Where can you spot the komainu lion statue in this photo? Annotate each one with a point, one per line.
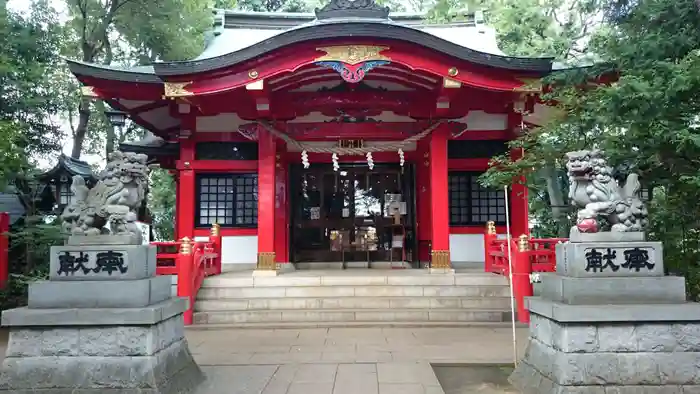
(596, 193)
(113, 202)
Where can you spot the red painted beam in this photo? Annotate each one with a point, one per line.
(226, 232)
(481, 164)
(297, 83)
(377, 157)
(124, 90)
(377, 131)
(295, 56)
(313, 74)
(289, 105)
(474, 229)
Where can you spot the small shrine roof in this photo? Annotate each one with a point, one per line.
(70, 166)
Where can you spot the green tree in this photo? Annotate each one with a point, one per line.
(129, 32)
(265, 5)
(161, 204)
(556, 28)
(646, 119)
(30, 104)
(29, 101)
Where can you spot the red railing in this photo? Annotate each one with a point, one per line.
(191, 261)
(528, 255)
(4, 249)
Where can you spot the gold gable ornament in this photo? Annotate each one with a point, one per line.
(352, 54)
(176, 89)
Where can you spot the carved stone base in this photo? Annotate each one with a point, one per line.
(266, 261)
(440, 259)
(100, 358)
(610, 357)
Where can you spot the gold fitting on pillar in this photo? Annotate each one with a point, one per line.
(186, 246)
(215, 230)
(266, 261)
(523, 243)
(440, 259)
(490, 227)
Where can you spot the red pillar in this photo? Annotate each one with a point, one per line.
(185, 277)
(281, 207)
(522, 268)
(423, 191)
(186, 192)
(519, 208)
(266, 200)
(439, 200)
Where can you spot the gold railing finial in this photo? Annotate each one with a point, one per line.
(215, 230)
(186, 246)
(490, 227)
(523, 243)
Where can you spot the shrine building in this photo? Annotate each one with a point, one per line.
(354, 136)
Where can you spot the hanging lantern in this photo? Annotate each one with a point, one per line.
(370, 162)
(334, 157)
(401, 158)
(305, 159)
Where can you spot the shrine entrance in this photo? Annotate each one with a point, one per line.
(354, 214)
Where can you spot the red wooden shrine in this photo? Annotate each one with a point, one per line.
(350, 90)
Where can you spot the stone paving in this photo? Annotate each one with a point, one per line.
(342, 360)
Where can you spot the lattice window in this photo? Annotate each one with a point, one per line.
(231, 200)
(473, 204)
(64, 194)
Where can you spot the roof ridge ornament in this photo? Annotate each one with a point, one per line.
(352, 9)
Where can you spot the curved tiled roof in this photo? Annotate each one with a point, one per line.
(242, 36)
(71, 166)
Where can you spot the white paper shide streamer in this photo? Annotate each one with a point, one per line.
(336, 166)
(370, 161)
(305, 159)
(401, 158)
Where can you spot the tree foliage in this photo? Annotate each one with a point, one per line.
(129, 32)
(645, 118)
(161, 203)
(29, 100)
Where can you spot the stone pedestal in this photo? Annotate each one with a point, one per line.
(614, 330)
(102, 324)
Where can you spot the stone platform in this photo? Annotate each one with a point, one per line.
(585, 353)
(102, 323)
(99, 351)
(609, 322)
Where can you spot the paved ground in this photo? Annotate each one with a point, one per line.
(345, 360)
(348, 360)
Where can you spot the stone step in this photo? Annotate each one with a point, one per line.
(369, 279)
(217, 293)
(207, 305)
(347, 315)
(353, 324)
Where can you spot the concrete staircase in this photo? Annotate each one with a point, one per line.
(353, 298)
